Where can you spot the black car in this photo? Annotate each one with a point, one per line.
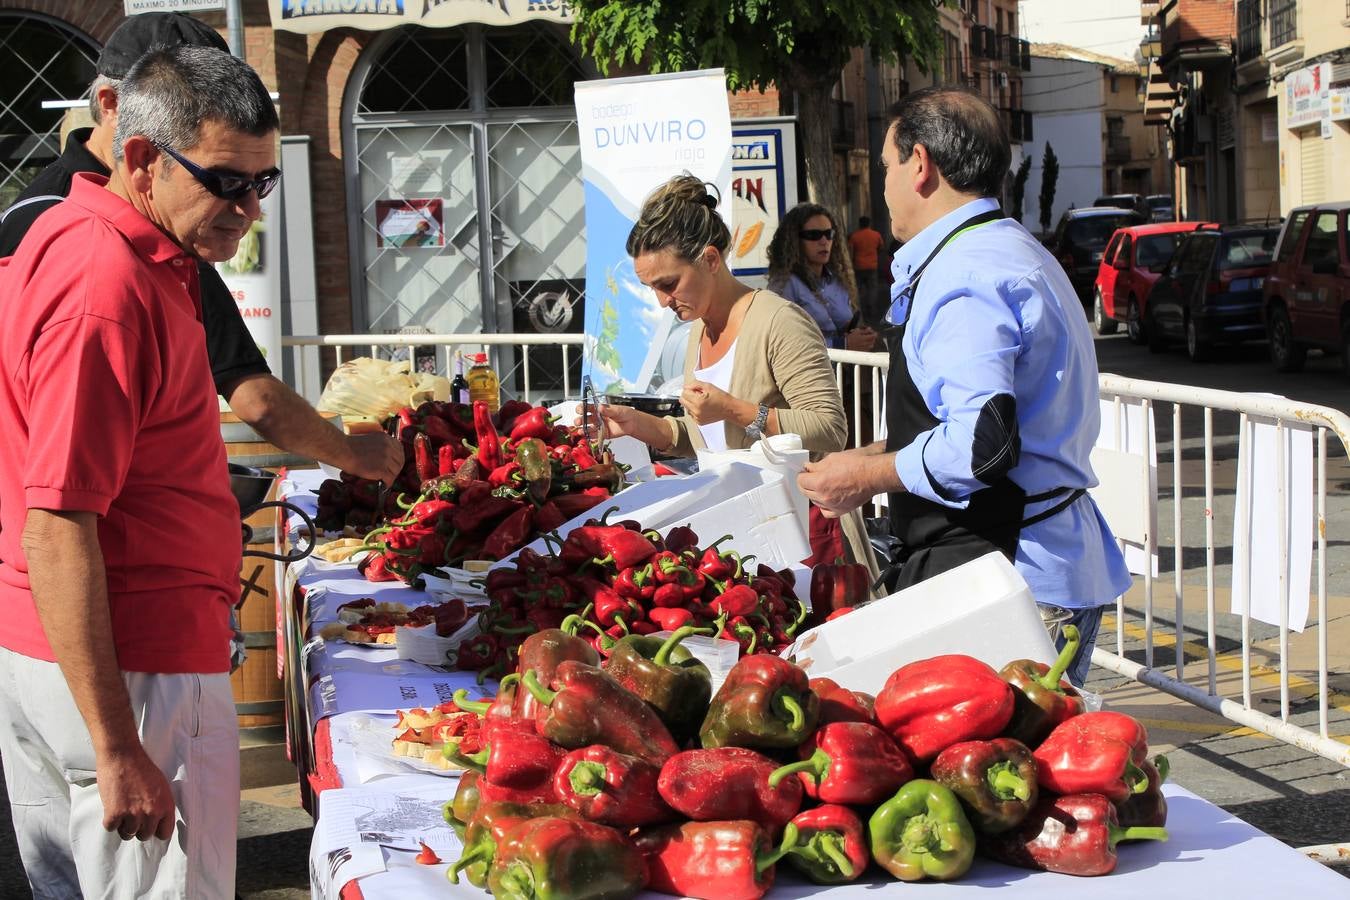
(1210, 292)
(1081, 236)
(1135, 202)
(1160, 208)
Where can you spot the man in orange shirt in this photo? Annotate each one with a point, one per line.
(864, 245)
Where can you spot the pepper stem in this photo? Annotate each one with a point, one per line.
(587, 778)
(1137, 833)
(509, 681)
(815, 766)
(832, 846)
(1163, 766)
(471, 856)
(783, 702)
(572, 624)
(1072, 640)
(531, 682)
(764, 861)
(662, 657)
(476, 761)
(1006, 783)
(1136, 778)
(919, 835)
(461, 698)
(517, 880)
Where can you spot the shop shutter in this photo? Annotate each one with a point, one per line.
(1312, 168)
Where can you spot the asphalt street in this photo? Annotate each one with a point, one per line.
(1295, 796)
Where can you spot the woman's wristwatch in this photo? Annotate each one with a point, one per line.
(755, 430)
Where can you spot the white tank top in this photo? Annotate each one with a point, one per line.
(719, 374)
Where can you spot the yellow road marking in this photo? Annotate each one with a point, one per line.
(1232, 662)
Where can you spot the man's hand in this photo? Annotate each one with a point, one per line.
(707, 403)
(862, 338)
(375, 456)
(137, 802)
(844, 481)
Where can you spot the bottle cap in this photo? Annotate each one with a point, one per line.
(480, 358)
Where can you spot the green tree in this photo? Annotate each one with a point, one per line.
(798, 45)
(1019, 187)
(1049, 175)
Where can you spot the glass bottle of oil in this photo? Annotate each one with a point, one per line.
(483, 383)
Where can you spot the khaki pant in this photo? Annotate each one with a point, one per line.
(188, 727)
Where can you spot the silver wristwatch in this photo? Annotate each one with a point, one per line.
(755, 430)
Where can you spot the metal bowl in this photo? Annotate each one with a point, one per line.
(650, 403)
(250, 486)
(1053, 618)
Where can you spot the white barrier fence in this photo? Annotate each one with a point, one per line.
(861, 376)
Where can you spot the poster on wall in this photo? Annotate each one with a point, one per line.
(763, 189)
(253, 276)
(409, 223)
(310, 16)
(1307, 96)
(635, 134)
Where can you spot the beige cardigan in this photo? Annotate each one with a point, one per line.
(781, 362)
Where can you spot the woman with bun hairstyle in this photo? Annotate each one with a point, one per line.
(756, 365)
(806, 266)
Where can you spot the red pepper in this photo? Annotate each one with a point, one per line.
(670, 619)
(471, 517)
(504, 475)
(429, 513)
(376, 567)
(610, 608)
(1074, 835)
(611, 788)
(996, 780)
(489, 447)
(566, 507)
(636, 583)
(422, 458)
(477, 652)
(936, 702)
(510, 533)
(838, 704)
(514, 759)
(535, 423)
(839, 586)
(586, 706)
(849, 762)
(427, 857)
(1095, 753)
(729, 783)
(717, 565)
(1149, 807)
(682, 537)
(606, 544)
(1042, 698)
(581, 457)
(491, 792)
(827, 844)
(709, 860)
(543, 653)
(439, 430)
(509, 413)
(737, 600)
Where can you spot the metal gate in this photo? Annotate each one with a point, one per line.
(467, 137)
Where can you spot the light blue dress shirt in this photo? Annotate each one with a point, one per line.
(995, 314)
(828, 305)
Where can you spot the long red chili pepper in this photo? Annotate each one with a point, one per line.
(489, 444)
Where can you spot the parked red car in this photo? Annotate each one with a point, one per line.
(1132, 262)
(1307, 293)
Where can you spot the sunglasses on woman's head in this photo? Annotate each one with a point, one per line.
(816, 234)
(227, 186)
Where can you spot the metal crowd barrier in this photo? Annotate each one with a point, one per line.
(1299, 682)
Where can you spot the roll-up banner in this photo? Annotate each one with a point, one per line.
(253, 276)
(635, 134)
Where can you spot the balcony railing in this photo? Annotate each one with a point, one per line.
(1283, 21)
(1018, 123)
(1117, 148)
(1249, 30)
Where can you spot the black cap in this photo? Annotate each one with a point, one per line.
(139, 34)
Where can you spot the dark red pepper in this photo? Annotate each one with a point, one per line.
(996, 780)
(489, 446)
(1150, 806)
(729, 783)
(1075, 834)
(607, 544)
(543, 653)
(838, 704)
(611, 788)
(584, 706)
(737, 600)
(710, 860)
(849, 762)
(533, 423)
(1042, 697)
(510, 534)
(682, 537)
(827, 844)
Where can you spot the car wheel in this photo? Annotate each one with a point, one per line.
(1134, 324)
(1104, 323)
(1154, 336)
(1196, 349)
(1286, 353)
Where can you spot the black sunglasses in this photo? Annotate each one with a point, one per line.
(227, 187)
(816, 234)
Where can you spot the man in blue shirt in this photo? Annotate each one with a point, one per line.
(991, 400)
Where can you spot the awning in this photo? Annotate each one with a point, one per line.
(309, 16)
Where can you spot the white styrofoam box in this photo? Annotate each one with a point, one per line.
(983, 609)
(751, 503)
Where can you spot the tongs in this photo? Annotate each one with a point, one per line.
(590, 410)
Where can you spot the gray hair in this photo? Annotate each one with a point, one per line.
(101, 81)
(168, 95)
(962, 133)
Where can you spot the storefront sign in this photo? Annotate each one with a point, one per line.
(1339, 104)
(636, 133)
(308, 16)
(253, 276)
(135, 7)
(763, 189)
(1307, 96)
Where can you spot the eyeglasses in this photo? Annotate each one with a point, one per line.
(227, 187)
(816, 234)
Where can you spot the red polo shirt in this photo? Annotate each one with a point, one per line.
(107, 406)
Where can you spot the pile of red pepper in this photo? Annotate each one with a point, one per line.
(620, 580)
(476, 485)
(599, 776)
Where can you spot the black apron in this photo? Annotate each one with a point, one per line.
(934, 538)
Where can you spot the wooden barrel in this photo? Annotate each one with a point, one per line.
(258, 694)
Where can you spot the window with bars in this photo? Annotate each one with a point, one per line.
(1283, 18)
(40, 59)
(481, 120)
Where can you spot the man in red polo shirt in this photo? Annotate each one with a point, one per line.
(118, 531)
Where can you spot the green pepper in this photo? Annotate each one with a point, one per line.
(460, 809)
(553, 858)
(536, 466)
(922, 832)
(667, 676)
(765, 703)
(487, 828)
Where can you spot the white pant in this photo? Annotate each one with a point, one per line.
(188, 727)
